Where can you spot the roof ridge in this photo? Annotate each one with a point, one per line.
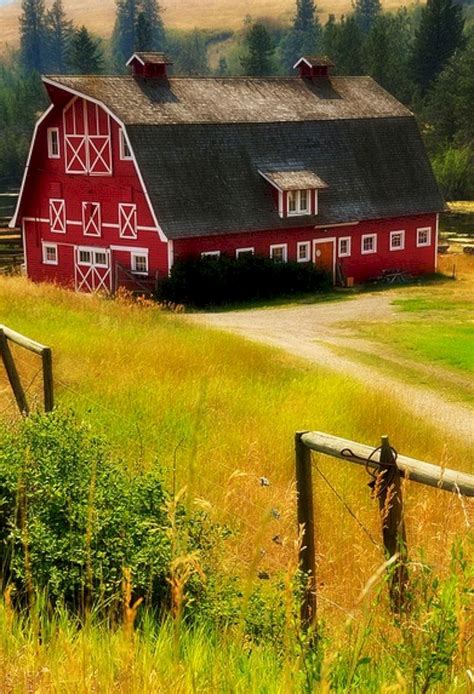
(230, 78)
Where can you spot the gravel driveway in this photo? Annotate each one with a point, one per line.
(312, 331)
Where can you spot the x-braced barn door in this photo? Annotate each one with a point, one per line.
(92, 269)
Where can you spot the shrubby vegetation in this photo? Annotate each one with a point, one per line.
(225, 280)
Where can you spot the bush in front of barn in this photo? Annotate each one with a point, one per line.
(216, 281)
(74, 522)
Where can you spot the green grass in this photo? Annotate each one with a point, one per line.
(217, 413)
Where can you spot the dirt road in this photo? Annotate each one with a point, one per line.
(316, 332)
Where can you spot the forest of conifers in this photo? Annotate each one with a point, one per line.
(423, 54)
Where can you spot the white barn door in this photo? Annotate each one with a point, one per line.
(92, 269)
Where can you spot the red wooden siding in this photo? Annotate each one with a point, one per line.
(83, 208)
(362, 267)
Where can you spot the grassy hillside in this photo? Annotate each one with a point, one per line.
(179, 14)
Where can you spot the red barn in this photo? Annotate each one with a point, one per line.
(126, 174)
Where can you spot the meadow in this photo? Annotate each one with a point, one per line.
(217, 415)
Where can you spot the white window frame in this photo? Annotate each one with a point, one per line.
(128, 219)
(102, 251)
(85, 249)
(307, 246)
(400, 232)
(57, 215)
(284, 248)
(340, 252)
(373, 249)
(86, 227)
(250, 249)
(49, 137)
(298, 212)
(124, 146)
(211, 254)
(428, 231)
(46, 246)
(139, 253)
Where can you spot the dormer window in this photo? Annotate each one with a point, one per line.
(297, 191)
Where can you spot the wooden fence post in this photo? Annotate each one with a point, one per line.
(12, 373)
(48, 383)
(304, 491)
(389, 494)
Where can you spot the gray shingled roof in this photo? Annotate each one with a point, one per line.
(204, 179)
(237, 100)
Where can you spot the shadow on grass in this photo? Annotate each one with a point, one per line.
(285, 301)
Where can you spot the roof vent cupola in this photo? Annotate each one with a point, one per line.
(314, 67)
(149, 65)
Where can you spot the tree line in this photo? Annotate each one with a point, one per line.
(424, 55)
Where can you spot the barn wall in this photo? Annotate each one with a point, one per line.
(47, 180)
(359, 266)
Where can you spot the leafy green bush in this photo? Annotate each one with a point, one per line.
(454, 170)
(71, 520)
(215, 281)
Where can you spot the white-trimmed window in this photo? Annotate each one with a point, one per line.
(139, 261)
(50, 253)
(397, 240)
(242, 252)
(211, 254)
(53, 143)
(92, 257)
(303, 251)
(368, 244)
(91, 218)
(279, 252)
(423, 237)
(298, 202)
(125, 152)
(85, 256)
(57, 216)
(344, 247)
(101, 259)
(128, 220)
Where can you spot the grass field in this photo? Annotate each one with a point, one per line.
(179, 14)
(223, 412)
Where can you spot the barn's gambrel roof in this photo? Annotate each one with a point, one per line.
(201, 143)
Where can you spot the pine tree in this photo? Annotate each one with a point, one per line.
(222, 68)
(32, 34)
(192, 59)
(258, 60)
(366, 12)
(85, 56)
(59, 31)
(343, 43)
(439, 34)
(330, 37)
(152, 12)
(305, 35)
(144, 34)
(124, 35)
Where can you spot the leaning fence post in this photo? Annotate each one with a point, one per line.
(304, 492)
(389, 494)
(48, 383)
(12, 373)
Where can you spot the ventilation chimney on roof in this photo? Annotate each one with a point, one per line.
(314, 67)
(149, 65)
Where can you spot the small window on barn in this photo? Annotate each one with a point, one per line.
(50, 254)
(397, 240)
(100, 259)
(210, 254)
(303, 251)
(344, 247)
(85, 257)
(298, 202)
(279, 253)
(53, 143)
(423, 237)
(140, 263)
(243, 252)
(125, 152)
(368, 244)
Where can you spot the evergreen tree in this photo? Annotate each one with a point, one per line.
(124, 36)
(32, 34)
(330, 37)
(144, 34)
(192, 55)
(366, 12)
(305, 35)
(439, 34)
(258, 60)
(343, 42)
(85, 56)
(59, 32)
(152, 12)
(223, 68)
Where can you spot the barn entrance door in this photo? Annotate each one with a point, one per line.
(324, 255)
(92, 269)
